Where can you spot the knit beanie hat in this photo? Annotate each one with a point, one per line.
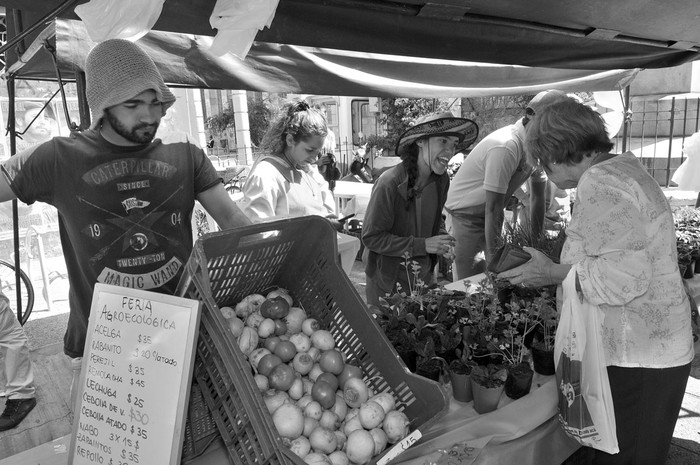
(117, 70)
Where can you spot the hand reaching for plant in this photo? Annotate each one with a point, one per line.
(538, 272)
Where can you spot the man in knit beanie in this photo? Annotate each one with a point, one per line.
(125, 198)
(116, 71)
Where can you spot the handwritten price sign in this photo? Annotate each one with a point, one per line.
(135, 378)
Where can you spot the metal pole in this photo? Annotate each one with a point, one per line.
(44, 20)
(83, 108)
(685, 125)
(626, 128)
(15, 213)
(670, 141)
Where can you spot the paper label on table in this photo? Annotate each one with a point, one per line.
(460, 454)
(400, 446)
(135, 378)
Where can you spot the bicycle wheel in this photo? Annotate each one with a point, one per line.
(8, 282)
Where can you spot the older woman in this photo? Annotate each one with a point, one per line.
(621, 243)
(285, 180)
(404, 214)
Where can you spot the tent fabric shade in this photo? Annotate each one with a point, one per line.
(184, 60)
(591, 34)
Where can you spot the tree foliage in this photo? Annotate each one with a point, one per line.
(219, 123)
(259, 116)
(399, 113)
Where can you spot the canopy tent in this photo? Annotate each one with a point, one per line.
(184, 60)
(591, 34)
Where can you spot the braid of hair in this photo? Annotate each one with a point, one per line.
(410, 163)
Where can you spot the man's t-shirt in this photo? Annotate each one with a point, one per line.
(124, 212)
(497, 164)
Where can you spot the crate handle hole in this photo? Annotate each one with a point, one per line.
(257, 238)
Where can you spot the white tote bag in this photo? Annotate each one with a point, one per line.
(585, 402)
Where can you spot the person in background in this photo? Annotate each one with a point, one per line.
(404, 215)
(285, 180)
(326, 162)
(19, 389)
(687, 176)
(621, 243)
(328, 168)
(557, 208)
(124, 198)
(488, 177)
(359, 172)
(37, 124)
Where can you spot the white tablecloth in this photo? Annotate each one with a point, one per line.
(525, 431)
(351, 198)
(348, 246)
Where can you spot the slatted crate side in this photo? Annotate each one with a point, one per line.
(299, 255)
(236, 406)
(200, 428)
(328, 296)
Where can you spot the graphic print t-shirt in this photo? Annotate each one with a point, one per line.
(124, 212)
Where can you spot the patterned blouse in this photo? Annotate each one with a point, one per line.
(622, 242)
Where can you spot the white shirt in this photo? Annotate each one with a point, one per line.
(622, 243)
(274, 189)
(497, 164)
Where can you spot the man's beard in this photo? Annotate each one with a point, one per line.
(132, 134)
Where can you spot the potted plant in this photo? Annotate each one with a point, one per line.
(687, 223)
(423, 321)
(510, 345)
(487, 383)
(546, 319)
(460, 370)
(399, 326)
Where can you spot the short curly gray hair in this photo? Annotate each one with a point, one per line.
(565, 133)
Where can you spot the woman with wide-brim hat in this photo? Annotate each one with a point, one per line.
(403, 223)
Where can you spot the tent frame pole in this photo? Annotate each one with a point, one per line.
(627, 118)
(12, 130)
(44, 20)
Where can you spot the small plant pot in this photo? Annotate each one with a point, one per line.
(518, 381)
(409, 358)
(689, 271)
(430, 369)
(486, 398)
(543, 361)
(461, 386)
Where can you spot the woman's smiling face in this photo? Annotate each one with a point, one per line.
(436, 152)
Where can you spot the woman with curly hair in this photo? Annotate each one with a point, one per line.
(404, 215)
(284, 181)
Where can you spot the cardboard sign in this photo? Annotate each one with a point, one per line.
(135, 379)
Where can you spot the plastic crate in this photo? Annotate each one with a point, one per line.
(298, 254)
(200, 428)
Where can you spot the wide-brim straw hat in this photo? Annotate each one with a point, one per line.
(439, 124)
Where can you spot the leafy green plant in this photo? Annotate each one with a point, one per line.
(428, 321)
(526, 236)
(687, 223)
(219, 123)
(490, 376)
